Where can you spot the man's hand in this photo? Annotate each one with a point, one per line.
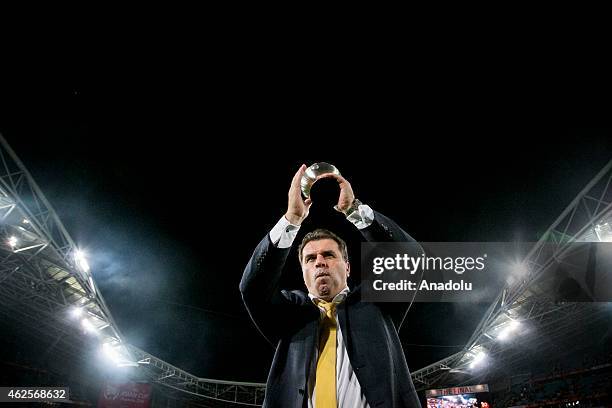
(346, 192)
(297, 209)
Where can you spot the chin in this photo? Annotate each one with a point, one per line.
(322, 292)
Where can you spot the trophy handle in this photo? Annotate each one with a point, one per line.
(312, 174)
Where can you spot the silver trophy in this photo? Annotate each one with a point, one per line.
(312, 173)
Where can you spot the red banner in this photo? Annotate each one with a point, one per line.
(125, 395)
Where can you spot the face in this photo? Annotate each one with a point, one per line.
(325, 270)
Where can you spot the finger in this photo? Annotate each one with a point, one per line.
(338, 177)
(298, 174)
(295, 183)
(328, 175)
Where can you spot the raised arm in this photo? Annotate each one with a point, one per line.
(266, 303)
(374, 227)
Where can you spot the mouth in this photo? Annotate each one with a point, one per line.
(321, 274)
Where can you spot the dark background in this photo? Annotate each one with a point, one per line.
(169, 184)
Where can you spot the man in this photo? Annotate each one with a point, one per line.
(332, 350)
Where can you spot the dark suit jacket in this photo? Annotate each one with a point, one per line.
(290, 321)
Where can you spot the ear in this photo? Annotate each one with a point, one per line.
(348, 269)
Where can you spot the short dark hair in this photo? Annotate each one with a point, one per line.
(320, 234)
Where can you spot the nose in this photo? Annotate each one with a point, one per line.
(320, 261)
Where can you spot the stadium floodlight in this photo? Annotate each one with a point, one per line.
(12, 241)
(88, 326)
(81, 260)
(25, 221)
(603, 232)
(478, 359)
(111, 352)
(508, 329)
(76, 312)
(519, 269)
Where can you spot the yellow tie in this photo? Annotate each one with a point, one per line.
(325, 385)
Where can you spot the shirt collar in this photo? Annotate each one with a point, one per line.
(339, 298)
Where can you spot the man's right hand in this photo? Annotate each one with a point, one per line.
(297, 208)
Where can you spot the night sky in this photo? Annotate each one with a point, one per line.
(169, 189)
